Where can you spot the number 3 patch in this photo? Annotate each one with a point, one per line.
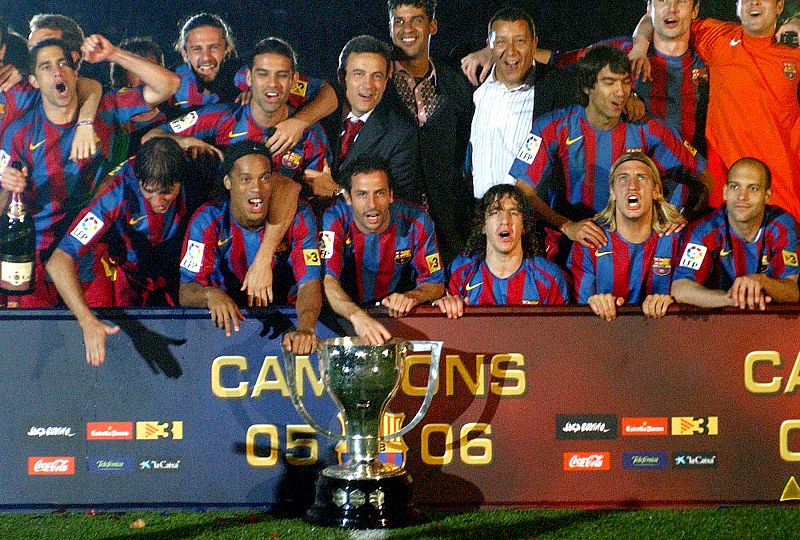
(434, 263)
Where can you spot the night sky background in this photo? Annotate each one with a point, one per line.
(319, 28)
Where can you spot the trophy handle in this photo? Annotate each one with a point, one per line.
(289, 364)
(435, 348)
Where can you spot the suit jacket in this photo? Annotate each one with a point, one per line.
(389, 136)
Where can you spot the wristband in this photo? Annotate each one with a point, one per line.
(85, 123)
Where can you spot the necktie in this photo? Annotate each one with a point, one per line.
(351, 129)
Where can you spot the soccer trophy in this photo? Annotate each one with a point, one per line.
(364, 492)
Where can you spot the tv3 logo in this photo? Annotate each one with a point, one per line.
(691, 425)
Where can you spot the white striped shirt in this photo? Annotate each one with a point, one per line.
(501, 123)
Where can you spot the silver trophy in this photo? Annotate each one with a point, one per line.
(364, 492)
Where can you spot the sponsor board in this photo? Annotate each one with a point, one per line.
(51, 465)
(586, 426)
(50, 431)
(109, 464)
(692, 425)
(152, 430)
(109, 431)
(694, 460)
(645, 460)
(644, 426)
(587, 461)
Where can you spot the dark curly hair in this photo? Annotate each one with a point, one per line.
(476, 243)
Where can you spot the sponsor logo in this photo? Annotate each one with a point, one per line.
(690, 425)
(184, 122)
(645, 426)
(587, 461)
(193, 259)
(326, 244)
(434, 263)
(789, 258)
(151, 431)
(529, 148)
(5, 159)
(50, 431)
(299, 88)
(105, 431)
(693, 256)
(233, 135)
(724, 252)
(51, 465)
(109, 464)
(221, 242)
(32, 146)
(470, 286)
(530, 302)
(599, 254)
(311, 257)
(694, 460)
(586, 426)
(171, 464)
(134, 221)
(645, 460)
(735, 42)
(570, 142)
(692, 150)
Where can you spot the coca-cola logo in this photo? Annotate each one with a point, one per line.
(586, 426)
(50, 431)
(587, 461)
(51, 465)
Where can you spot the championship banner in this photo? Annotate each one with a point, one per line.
(534, 406)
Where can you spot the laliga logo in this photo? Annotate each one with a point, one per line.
(392, 451)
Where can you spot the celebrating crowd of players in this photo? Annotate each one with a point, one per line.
(216, 185)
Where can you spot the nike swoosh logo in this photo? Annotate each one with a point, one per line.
(470, 287)
(232, 135)
(735, 42)
(133, 221)
(221, 243)
(572, 141)
(599, 254)
(724, 253)
(33, 147)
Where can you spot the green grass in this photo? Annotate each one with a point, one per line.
(778, 523)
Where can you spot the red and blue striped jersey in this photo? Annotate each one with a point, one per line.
(224, 124)
(217, 252)
(15, 102)
(568, 160)
(142, 242)
(372, 266)
(57, 187)
(715, 255)
(677, 93)
(627, 270)
(536, 281)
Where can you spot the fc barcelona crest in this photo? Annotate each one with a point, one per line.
(392, 451)
(700, 76)
(291, 160)
(661, 266)
(790, 70)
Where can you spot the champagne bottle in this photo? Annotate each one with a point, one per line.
(17, 247)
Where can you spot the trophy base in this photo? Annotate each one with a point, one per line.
(364, 504)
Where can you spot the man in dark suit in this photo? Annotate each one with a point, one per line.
(371, 127)
(438, 100)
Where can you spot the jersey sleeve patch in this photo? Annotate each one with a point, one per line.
(789, 258)
(87, 228)
(311, 257)
(326, 244)
(184, 122)
(5, 159)
(434, 263)
(693, 256)
(193, 259)
(529, 148)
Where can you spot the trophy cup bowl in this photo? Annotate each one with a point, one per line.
(364, 492)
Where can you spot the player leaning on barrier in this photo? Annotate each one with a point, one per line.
(745, 253)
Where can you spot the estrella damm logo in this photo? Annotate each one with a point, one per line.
(392, 451)
(152, 430)
(691, 425)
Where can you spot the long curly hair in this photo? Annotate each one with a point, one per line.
(476, 243)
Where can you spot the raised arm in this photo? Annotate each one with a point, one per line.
(289, 132)
(642, 37)
(160, 84)
(84, 144)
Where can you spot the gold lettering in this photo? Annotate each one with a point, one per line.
(757, 357)
(476, 386)
(305, 371)
(425, 447)
(471, 440)
(263, 384)
(408, 387)
(239, 362)
(786, 453)
(299, 436)
(794, 377)
(502, 373)
(259, 430)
